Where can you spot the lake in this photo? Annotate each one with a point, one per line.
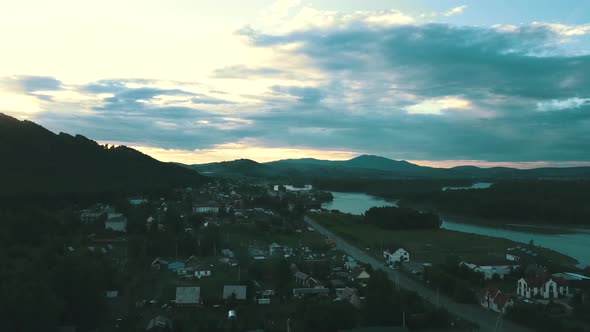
(354, 203)
(574, 244)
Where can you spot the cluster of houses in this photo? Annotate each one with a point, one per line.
(191, 296)
(189, 268)
(539, 285)
(113, 221)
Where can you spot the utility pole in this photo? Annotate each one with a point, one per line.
(437, 297)
(498, 326)
(404, 319)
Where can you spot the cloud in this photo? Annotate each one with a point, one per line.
(39, 83)
(455, 11)
(557, 105)
(245, 72)
(563, 29)
(437, 106)
(289, 16)
(376, 82)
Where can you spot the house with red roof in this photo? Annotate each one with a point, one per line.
(493, 299)
(543, 286)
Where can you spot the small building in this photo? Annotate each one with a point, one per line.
(91, 215)
(301, 278)
(188, 296)
(137, 201)
(158, 263)
(305, 292)
(192, 261)
(116, 222)
(111, 294)
(206, 208)
(202, 270)
(359, 274)
(274, 247)
(491, 269)
(543, 286)
(238, 291)
(493, 299)
(228, 253)
(159, 324)
(399, 255)
(175, 266)
(349, 295)
(350, 263)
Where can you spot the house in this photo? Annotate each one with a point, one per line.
(188, 296)
(91, 215)
(256, 253)
(202, 270)
(544, 286)
(360, 274)
(238, 291)
(521, 255)
(229, 261)
(116, 222)
(396, 256)
(316, 291)
(349, 295)
(227, 253)
(158, 263)
(111, 294)
(301, 278)
(274, 247)
(175, 266)
(206, 208)
(192, 262)
(491, 269)
(137, 201)
(350, 263)
(495, 300)
(159, 323)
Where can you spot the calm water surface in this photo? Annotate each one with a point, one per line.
(575, 244)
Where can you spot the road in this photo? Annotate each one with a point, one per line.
(484, 318)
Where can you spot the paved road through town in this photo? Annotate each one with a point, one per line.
(487, 320)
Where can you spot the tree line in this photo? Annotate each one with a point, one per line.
(396, 218)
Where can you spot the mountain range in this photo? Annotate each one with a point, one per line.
(370, 166)
(36, 160)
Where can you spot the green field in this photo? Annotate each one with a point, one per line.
(433, 246)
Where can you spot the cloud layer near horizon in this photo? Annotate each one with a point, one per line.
(367, 82)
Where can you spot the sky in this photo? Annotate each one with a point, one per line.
(436, 82)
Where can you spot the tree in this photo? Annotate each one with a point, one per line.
(330, 317)
(382, 307)
(283, 277)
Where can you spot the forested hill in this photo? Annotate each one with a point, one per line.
(35, 160)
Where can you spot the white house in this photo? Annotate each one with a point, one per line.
(398, 256)
(543, 286)
(202, 270)
(206, 208)
(495, 300)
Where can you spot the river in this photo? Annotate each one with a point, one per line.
(572, 242)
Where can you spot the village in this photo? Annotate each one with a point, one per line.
(238, 255)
